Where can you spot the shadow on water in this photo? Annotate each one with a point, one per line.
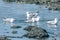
(53, 31)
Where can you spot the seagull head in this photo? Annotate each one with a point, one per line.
(27, 12)
(56, 19)
(38, 16)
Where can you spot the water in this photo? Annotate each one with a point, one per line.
(18, 11)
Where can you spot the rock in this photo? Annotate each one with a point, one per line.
(29, 28)
(57, 9)
(14, 36)
(49, 8)
(4, 38)
(7, 32)
(9, 0)
(15, 26)
(14, 32)
(37, 2)
(35, 32)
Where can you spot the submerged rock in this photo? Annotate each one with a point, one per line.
(14, 32)
(15, 26)
(4, 38)
(36, 32)
(49, 8)
(9, 0)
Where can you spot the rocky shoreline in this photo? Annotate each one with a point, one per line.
(32, 32)
(54, 6)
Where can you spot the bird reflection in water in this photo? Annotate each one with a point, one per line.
(54, 29)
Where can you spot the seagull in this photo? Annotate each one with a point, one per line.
(37, 18)
(53, 22)
(32, 17)
(9, 20)
(28, 15)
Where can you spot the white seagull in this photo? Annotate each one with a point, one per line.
(28, 15)
(53, 22)
(32, 17)
(9, 20)
(37, 18)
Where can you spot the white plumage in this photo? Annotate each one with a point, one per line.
(28, 15)
(32, 17)
(37, 18)
(8, 20)
(53, 21)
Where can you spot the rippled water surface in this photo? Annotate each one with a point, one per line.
(18, 11)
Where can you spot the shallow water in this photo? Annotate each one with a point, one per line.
(18, 11)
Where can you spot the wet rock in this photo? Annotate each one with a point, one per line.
(7, 32)
(57, 9)
(9, 0)
(54, 8)
(15, 26)
(49, 8)
(4, 38)
(14, 36)
(37, 2)
(36, 32)
(14, 32)
(30, 28)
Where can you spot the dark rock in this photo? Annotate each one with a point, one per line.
(37, 2)
(57, 9)
(9, 0)
(4, 38)
(7, 32)
(14, 36)
(14, 32)
(29, 28)
(15, 26)
(49, 8)
(36, 32)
